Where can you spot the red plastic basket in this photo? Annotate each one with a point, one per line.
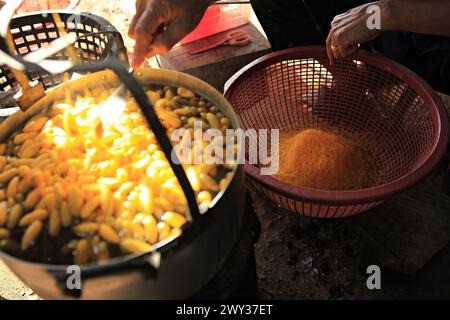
(391, 107)
(219, 18)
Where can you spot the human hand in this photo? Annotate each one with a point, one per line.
(159, 24)
(351, 28)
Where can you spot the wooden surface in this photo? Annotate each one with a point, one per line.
(216, 66)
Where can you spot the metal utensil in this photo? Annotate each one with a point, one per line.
(118, 98)
(120, 95)
(30, 92)
(114, 106)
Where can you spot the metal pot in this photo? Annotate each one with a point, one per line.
(173, 269)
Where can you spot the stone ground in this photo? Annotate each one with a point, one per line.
(297, 258)
(11, 288)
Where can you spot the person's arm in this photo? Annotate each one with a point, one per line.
(421, 16)
(159, 24)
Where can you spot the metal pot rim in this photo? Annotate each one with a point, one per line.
(109, 78)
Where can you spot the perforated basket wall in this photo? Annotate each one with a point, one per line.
(388, 106)
(98, 39)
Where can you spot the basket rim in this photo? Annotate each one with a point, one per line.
(362, 196)
(72, 12)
